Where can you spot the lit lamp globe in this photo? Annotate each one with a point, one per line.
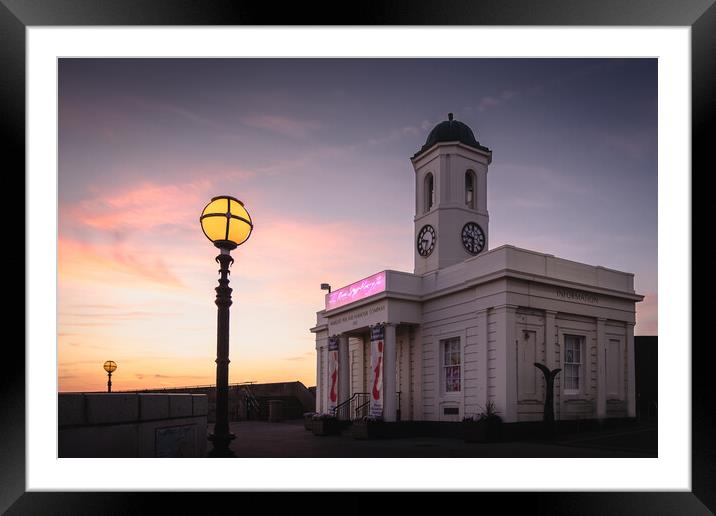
(110, 366)
(226, 222)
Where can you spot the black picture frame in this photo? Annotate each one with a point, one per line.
(16, 15)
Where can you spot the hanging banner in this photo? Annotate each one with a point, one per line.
(376, 366)
(332, 374)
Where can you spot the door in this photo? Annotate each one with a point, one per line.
(527, 373)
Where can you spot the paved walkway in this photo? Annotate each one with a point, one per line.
(291, 439)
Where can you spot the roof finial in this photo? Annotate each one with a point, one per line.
(450, 116)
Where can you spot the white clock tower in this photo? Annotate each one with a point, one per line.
(451, 219)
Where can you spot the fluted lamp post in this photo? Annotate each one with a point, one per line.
(110, 366)
(227, 224)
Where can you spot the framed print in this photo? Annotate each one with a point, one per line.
(38, 36)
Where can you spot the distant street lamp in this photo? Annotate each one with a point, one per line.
(227, 224)
(326, 286)
(110, 366)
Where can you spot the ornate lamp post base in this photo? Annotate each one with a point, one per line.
(221, 445)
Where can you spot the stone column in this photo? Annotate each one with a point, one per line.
(389, 361)
(631, 386)
(601, 368)
(344, 374)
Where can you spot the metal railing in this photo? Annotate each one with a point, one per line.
(358, 406)
(252, 404)
(362, 409)
(183, 387)
(346, 409)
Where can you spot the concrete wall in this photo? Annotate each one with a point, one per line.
(132, 425)
(297, 398)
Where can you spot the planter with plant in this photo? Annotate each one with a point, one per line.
(308, 420)
(485, 428)
(325, 424)
(368, 428)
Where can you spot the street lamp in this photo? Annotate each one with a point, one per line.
(326, 286)
(110, 366)
(227, 224)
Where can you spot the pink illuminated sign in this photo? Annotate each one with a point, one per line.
(355, 291)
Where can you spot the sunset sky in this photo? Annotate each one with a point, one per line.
(318, 150)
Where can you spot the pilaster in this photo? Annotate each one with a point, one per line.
(601, 368)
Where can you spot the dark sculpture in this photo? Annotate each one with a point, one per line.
(548, 416)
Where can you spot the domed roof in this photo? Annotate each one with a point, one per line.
(451, 131)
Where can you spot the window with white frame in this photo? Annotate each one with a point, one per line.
(573, 370)
(451, 364)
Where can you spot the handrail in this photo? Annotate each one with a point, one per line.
(366, 403)
(361, 407)
(347, 403)
(362, 402)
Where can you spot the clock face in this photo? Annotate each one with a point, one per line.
(426, 240)
(473, 238)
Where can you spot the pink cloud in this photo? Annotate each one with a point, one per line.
(292, 258)
(487, 102)
(493, 101)
(179, 111)
(396, 134)
(291, 127)
(141, 207)
(635, 146)
(113, 263)
(327, 245)
(147, 205)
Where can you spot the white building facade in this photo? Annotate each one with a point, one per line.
(468, 325)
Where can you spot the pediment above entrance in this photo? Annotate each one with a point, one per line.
(386, 310)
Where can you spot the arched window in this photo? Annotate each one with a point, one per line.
(429, 192)
(470, 189)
